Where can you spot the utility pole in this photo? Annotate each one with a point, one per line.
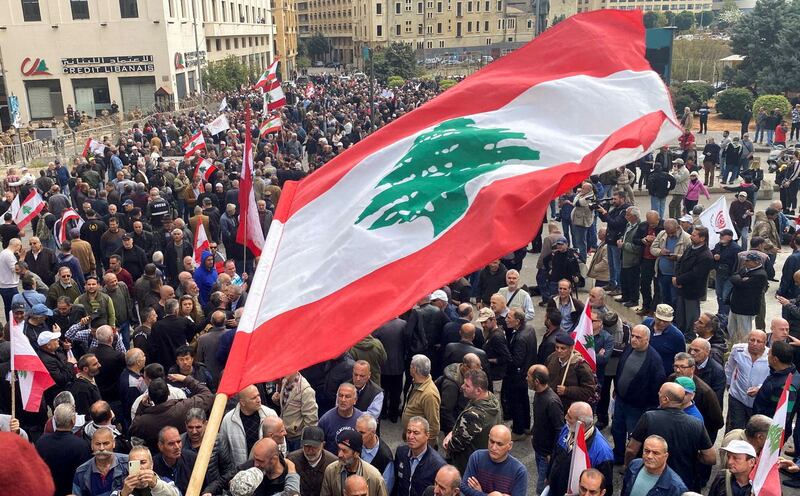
(197, 52)
(371, 89)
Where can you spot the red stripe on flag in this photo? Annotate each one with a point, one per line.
(86, 148)
(270, 352)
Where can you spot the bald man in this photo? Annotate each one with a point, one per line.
(685, 435)
(494, 469)
(706, 368)
(241, 427)
(355, 485)
(446, 483)
(279, 473)
(467, 343)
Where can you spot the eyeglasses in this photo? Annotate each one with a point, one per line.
(676, 366)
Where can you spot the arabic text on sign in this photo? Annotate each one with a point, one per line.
(106, 69)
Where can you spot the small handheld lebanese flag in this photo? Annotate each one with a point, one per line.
(69, 215)
(584, 337)
(249, 232)
(270, 126)
(205, 168)
(201, 243)
(34, 379)
(580, 459)
(195, 144)
(767, 481)
(375, 222)
(310, 91)
(30, 208)
(94, 147)
(268, 76)
(276, 98)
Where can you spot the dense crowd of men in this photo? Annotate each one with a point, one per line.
(135, 332)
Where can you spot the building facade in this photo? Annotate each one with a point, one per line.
(285, 15)
(334, 19)
(139, 54)
(648, 5)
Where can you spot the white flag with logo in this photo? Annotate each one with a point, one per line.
(223, 106)
(715, 218)
(218, 125)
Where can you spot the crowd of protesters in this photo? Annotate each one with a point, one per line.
(135, 332)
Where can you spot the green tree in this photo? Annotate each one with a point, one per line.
(651, 19)
(779, 74)
(430, 179)
(225, 75)
(397, 59)
(670, 17)
(684, 21)
(732, 102)
(704, 18)
(755, 36)
(318, 46)
(769, 102)
(303, 62)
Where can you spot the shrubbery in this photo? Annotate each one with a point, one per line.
(731, 102)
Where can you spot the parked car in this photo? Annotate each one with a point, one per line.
(319, 63)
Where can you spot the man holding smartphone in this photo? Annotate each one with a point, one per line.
(141, 475)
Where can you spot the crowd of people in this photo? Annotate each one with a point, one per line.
(135, 332)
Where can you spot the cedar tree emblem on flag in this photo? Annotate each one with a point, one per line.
(429, 180)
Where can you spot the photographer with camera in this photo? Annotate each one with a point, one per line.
(582, 217)
(615, 228)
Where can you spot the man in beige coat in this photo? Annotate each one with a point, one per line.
(350, 463)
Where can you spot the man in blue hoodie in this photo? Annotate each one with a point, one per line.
(205, 276)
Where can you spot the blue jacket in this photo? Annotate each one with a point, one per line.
(407, 485)
(205, 278)
(82, 482)
(606, 342)
(668, 344)
(600, 455)
(643, 389)
(669, 484)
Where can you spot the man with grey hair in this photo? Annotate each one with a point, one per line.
(168, 335)
(112, 364)
(706, 368)
(446, 483)
(423, 399)
(274, 428)
(755, 432)
(631, 259)
(416, 462)
(515, 296)
(341, 417)
(374, 450)
(650, 473)
(62, 450)
(131, 383)
(600, 453)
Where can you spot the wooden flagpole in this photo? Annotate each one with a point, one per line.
(566, 370)
(207, 446)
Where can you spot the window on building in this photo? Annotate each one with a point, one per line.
(458, 29)
(530, 23)
(236, 43)
(486, 26)
(469, 27)
(439, 7)
(227, 43)
(128, 9)
(430, 45)
(80, 9)
(419, 7)
(488, 40)
(441, 44)
(30, 11)
(397, 30)
(438, 28)
(379, 30)
(419, 29)
(379, 9)
(219, 44)
(458, 9)
(511, 23)
(208, 45)
(469, 6)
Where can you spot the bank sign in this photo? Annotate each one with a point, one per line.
(106, 65)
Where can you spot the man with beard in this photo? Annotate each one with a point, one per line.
(106, 472)
(278, 475)
(349, 463)
(311, 460)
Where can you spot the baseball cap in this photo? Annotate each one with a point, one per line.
(753, 257)
(741, 193)
(694, 173)
(350, 438)
(16, 307)
(439, 295)
(485, 314)
(559, 241)
(687, 383)
(726, 232)
(686, 218)
(47, 336)
(246, 482)
(312, 436)
(39, 310)
(127, 202)
(678, 161)
(740, 447)
(127, 236)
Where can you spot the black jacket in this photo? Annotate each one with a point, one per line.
(63, 452)
(454, 353)
(112, 363)
(748, 290)
(133, 261)
(60, 370)
(490, 283)
(167, 335)
(496, 347)
(549, 414)
(391, 337)
(407, 485)
(616, 223)
(714, 375)
(44, 265)
(691, 272)
(221, 468)
(85, 394)
(642, 391)
(659, 184)
(170, 255)
(523, 353)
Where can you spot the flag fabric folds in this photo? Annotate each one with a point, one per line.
(94, 147)
(34, 379)
(767, 481)
(204, 168)
(249, 232)
(69, 215)
(195, 144)
(584, 338)
(28, 209)
(270, 126)
(276, 98)
(223, 105)
(716, 218)
(378, 221)
(310, 90)
(580, 458)
(201, 243)
(218, 125)
(268, 76)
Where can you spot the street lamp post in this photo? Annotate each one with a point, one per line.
(197, 52)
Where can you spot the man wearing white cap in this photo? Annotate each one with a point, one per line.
(681, 176)
(741, 458)
(56, 362)
(741, 212)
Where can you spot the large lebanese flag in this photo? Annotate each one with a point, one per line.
(195, 144)
(269, 75)
(94, 147)
(67, 216)
(33, 377)
(201, 243)
(767, 481)
(387, 220)
(30, 208)
(276, 98)
(584, 337)
(249, 232)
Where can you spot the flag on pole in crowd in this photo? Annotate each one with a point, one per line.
(276, 97)
(375, 221)
(195, 144)
(580, 458)
(33, 377)
(205, 168)
(69, 215)
(94, 147)
(223, 105)
(767, 481)
(270, 126)
(715, 218)
(28, 209)
(249, 231)
(584, 337)
(268, 76)
(218, 125)
(201, 243)
(310, 90)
